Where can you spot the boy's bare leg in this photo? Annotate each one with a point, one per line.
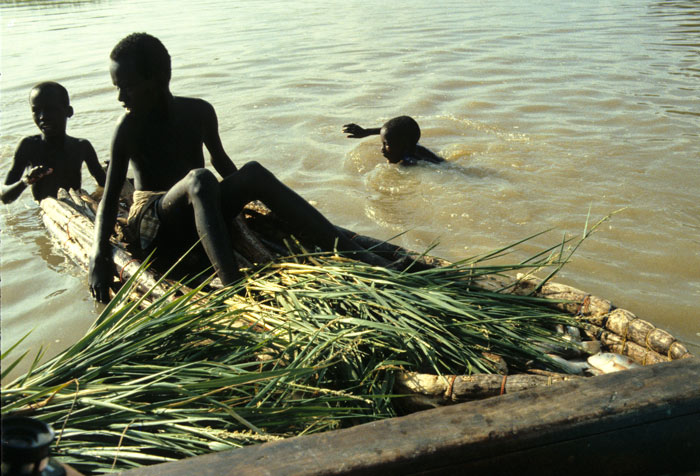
(199, 192)
(255, 182)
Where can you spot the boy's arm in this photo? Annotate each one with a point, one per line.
(14, 184)
(101, 271)
(357, 132)
(17, 180)
(10, 192)
(93, 165)
(219, 159)
(428, 155)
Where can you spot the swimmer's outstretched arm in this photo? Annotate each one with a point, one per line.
(357, 132)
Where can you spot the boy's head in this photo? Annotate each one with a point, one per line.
(140, 69)
(148, 55)
(399, 138)
(50, 108)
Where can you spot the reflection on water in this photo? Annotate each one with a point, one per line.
(543, 112)
(25, 223)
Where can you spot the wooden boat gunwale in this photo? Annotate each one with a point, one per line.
(642, 421)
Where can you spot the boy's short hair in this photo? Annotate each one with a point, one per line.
(150, 56)
(403, 127)
(52, 85)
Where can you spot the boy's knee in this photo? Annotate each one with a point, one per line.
(200, 182)
(254, 168)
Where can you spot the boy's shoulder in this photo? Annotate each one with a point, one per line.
(427, 155)
(185, 111)
(70, 140)
(28, 147)
(78, 145)
(37, 140)
(193, 112)
(30, 140)
(196, 104)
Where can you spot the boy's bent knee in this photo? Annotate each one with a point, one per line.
(254, 169)
(201, 182)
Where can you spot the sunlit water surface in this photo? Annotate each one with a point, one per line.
(544, 112)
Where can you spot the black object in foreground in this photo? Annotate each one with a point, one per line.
(25, 448)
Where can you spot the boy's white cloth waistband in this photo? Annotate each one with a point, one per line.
(143, 216)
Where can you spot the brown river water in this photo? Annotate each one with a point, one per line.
(545, 112)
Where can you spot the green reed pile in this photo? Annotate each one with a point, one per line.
(302, 345)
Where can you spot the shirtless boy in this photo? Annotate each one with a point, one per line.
(161, 135)
(50, 160)
(399, 141)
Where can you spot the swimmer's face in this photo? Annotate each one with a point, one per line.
(136, 93)
(49, 111)
(393, 149)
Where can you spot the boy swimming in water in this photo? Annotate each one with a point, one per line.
(400, 137)
(177, 200)
(50, 160)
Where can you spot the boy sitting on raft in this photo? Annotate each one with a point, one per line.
(400, 137)
(177, 201)
(50, 160)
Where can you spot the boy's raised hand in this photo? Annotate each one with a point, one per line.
(37, 173)
(355, 131)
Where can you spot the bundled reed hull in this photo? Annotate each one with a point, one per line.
(70, 220)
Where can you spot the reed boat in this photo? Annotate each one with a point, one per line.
(70, 221)
(550, 407)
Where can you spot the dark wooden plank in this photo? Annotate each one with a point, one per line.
(645, 421)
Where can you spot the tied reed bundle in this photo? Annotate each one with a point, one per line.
(302, 345)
